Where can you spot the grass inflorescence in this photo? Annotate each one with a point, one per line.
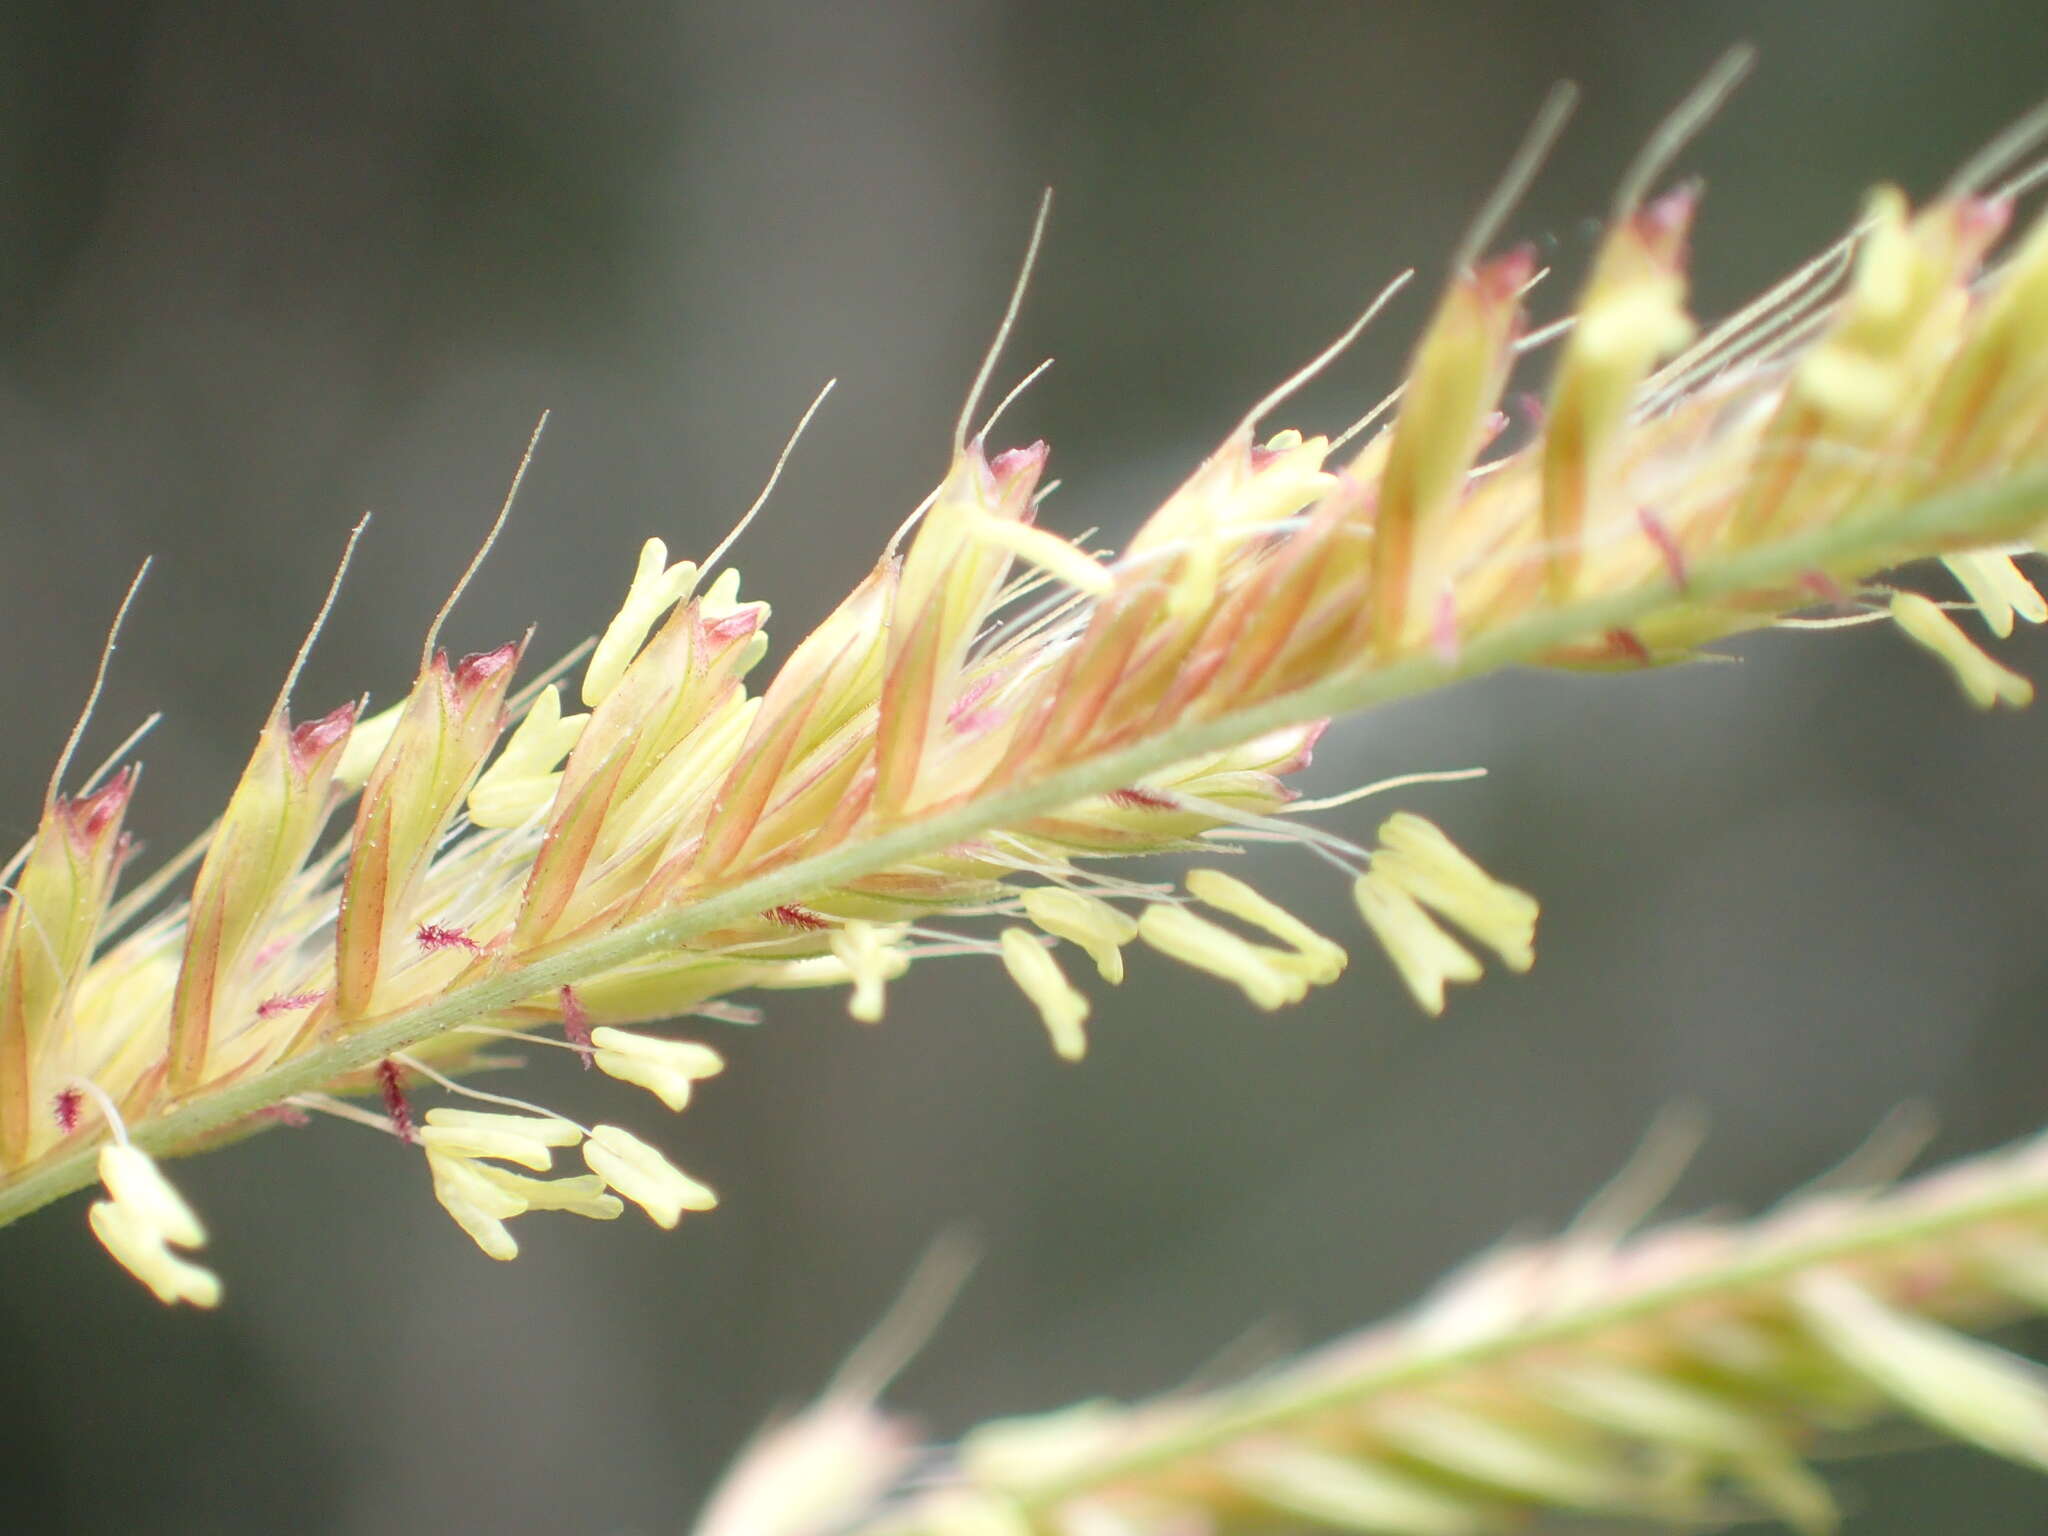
(956, 760)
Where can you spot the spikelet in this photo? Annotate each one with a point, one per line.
(994, 710)
(1681, 1376)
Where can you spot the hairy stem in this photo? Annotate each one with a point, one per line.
(1979, 515)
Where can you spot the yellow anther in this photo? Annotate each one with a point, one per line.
(1645, 323)
(722, 596)
(138, 1186)
(1048, 551)
(1285, 483)
(1898, 316)
(1998, 588)
(455, 1174)
(547, 1130)
(478, 1205)
(1088, 921)
(665, 1068)
(1423, 953)
(522, 1139)
(1416, 857)
(1322, 959)
(140, 1249)
(1197, 942)
(522, 780)
(366, 743)
(643, 1176)
(656, 587)
(1201, 566)
(1984, 681)
(582, 1194)
(139, 1225)
(1852, 387)
(753, 651)
(871, 961)
(1885, 270)
(1039, 978)
(810, 971)
(962, 1512)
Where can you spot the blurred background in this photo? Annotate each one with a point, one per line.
(268, 266)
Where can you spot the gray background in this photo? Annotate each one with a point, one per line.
(267, 266)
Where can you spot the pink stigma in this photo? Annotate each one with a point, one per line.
(970, 698)
(315, 738)
(395, 1103)
(1134, 799)
(1984, 218)
(576, 1024)
(796, 917)
(1823, 586)
(472, 672)
(1303, 755)
(1628, 643)
(1017, 461)
(87, 817)
(432, 937)
(66, 1106)
(1501, 280)
(1443, 628)
(737, 625)
(1667, 546)
(287, 1003)
(271, 951)
(966, 714)
(1663, 224)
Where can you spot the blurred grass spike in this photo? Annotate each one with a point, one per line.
(801, 1474)
(1677, 1377)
